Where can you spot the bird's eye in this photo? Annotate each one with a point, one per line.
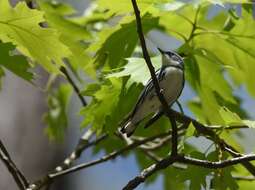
(175, 58)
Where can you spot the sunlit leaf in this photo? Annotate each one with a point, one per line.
(137, 69)
(20, 26)
(71, 34)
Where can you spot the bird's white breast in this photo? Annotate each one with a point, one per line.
(171, 84)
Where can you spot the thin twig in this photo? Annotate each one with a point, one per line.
(154, 78)
(105, 158)
(76, 89)
(82, 145)
(17, 175)
(218, 164)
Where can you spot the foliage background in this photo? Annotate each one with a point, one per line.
(222, 72)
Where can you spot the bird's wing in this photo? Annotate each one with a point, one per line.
(149, 86)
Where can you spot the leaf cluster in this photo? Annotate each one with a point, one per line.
(102, 44)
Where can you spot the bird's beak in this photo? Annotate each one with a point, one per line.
(160, 50)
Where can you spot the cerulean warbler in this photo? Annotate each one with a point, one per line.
(171, 82)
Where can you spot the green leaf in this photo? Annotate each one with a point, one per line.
(192, 72)
(72, 35)
(172, 179)
(20, 26)
(116, 43)
(56, 117)
(211, 74)
(224, 181)
(196, 108)
(236, 49)
(91, 89)
(127, 100)
(172, 6)
(14, 63)
(137, 69)
(195, 181)
(125, 6)
(190, 131)
(229, 117)
(104, 101)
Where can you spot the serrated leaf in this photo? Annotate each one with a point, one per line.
(137, 69)
(14, 63)
(235, 49)
(116, 43)
(91, 89)
(72, 35)
(20, 26)
(56, 117)
(104, 101)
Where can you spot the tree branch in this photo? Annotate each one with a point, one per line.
(105, 158)
(14, 171)
(154, 78)
(132, 184)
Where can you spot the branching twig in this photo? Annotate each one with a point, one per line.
(105, 158)
(132, 184)
(15, 172)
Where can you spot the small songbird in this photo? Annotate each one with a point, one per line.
(171, 82)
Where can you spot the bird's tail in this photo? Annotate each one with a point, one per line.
(128, 127)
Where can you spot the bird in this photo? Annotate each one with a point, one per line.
(171, 81)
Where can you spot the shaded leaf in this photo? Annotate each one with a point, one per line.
(14, 63)
(56, 117)
(117, 43)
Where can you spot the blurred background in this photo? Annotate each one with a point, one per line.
(22, 131)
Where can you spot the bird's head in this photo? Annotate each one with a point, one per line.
(171, 58)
